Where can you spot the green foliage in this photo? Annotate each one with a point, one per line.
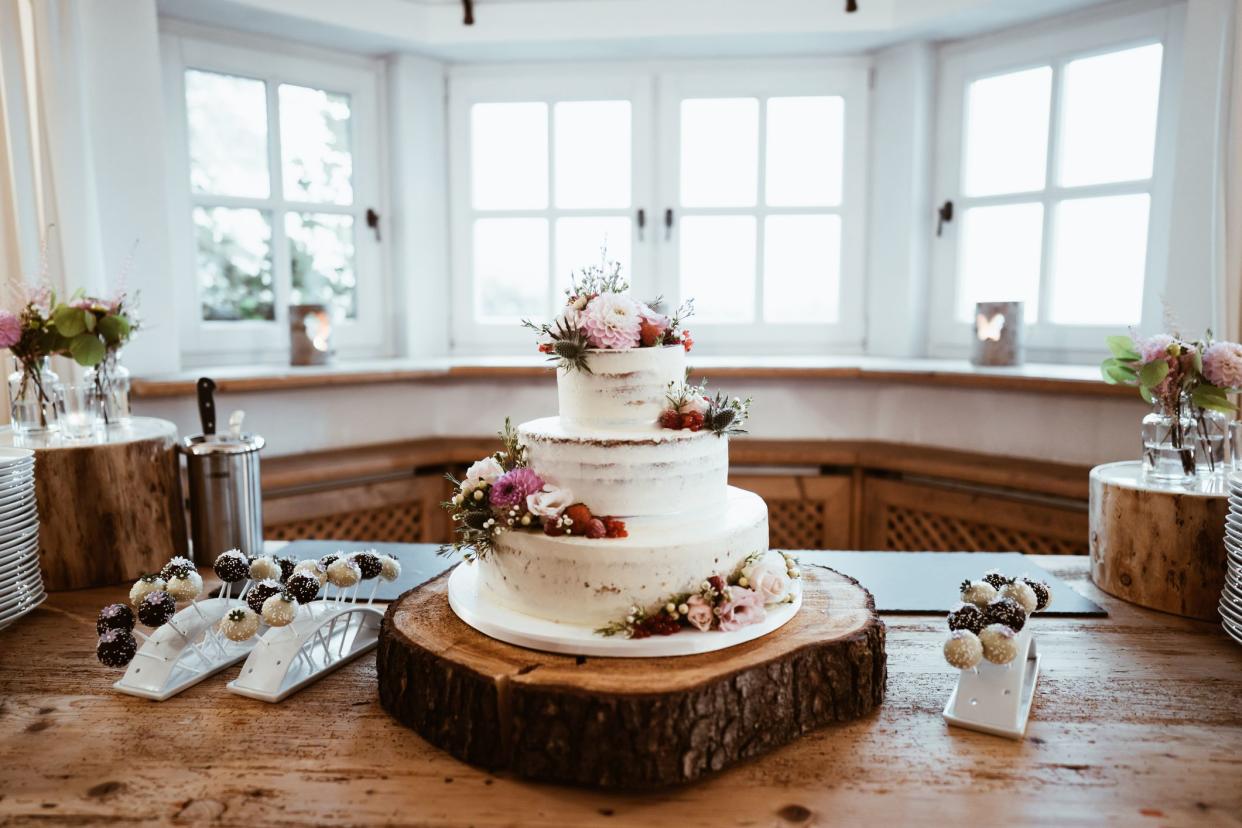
(87, 349)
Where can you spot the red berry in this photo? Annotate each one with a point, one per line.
(615, 528)
(595, 529)
(579, 518)
(692, 420)
(670, 419)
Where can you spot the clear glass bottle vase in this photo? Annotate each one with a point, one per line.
(1212, 440)
(111, 381)
(1170, 438)
(36, 398)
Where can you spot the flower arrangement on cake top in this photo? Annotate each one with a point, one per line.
(501, 493)
(720, 603)
(691, 408)
(600, 314)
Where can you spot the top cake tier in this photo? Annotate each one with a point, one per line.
(624, 389)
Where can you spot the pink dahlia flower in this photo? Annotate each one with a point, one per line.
(745, 607)
(1154, 348)
(1222, 364)
(513, 487)
(612, 321)
(10, 329)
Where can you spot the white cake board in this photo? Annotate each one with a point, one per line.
(550, 636)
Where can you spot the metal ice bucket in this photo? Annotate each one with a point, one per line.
(226, 502)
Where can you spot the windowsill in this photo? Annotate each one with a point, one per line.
(1078, 380)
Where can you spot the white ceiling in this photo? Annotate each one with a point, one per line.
(615, 29)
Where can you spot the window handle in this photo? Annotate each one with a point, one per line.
(642, 222)
(668, 224)
(944, 215)
(373, 221)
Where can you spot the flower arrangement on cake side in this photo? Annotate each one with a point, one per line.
(501, 493)
(691, 408)
(721, 603)
(600, 314)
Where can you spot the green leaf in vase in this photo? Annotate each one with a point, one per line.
(1122, 347)
(114, 329)
(1153, 373)
(86, 349)
(88, 320)
(68, 321)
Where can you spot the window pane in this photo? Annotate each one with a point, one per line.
(719, 152)
(234, 263)
(314, 145)
(578, 243)
(998, 257)
(226, 120)
(1109, 116)
(510, 269)
(509, 156)
(593, 154)
(801, 268)
(805, 149)
(1098, 261)
(1006, 147)
(321, 260)
(717, 265)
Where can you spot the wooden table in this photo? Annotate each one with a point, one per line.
(1137, 721)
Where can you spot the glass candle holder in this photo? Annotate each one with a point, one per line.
(81, 417)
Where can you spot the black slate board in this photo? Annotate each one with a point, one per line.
(922, 582)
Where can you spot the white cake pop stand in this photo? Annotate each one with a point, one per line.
(553, 637)
(996, 698)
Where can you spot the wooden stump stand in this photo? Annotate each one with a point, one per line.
(629, 723)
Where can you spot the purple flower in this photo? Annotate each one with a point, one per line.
(513, 487)
(743, 608)
(1222, 364)
(10, 329)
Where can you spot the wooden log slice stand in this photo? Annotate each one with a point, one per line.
(109, 510)
(1162, 548)
(629, 723)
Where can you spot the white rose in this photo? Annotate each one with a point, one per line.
(550, 502)
(569, 317)
(695, 403)
(578, 304)
(486, 470)
(768, 577)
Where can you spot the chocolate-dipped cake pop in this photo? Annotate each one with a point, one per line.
(115, 617)
(239, 624)
(264, 568)
(116, 647)
(286, 565)
(999, 642)
(344, 573)
(963, 650)
(279, 610)
(978, 593)
(1043, 593)
(302, 587)
(1005, 611)
(390, 568)
(232, 566)
(156, 608)
(995, 578)
(368, 564)
(261, 591)
(327, 561)
(144, 586)
(175, 565)
(1022, 594)
(313, 569)
(185, 586)
(967, 617)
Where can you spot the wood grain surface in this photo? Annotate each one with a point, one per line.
(1137, 721)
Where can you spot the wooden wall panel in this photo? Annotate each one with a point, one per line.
(405, 511)
(803, 512)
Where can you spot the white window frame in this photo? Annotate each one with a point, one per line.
(212, 342)
(655, 90)
(1055, 46)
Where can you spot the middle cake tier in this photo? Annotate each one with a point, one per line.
(630, 473)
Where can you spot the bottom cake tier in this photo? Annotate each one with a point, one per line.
(586, 582)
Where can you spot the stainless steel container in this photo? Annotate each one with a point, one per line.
(226, 502)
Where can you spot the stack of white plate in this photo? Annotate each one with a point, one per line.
(1231, 595)
(21, 584)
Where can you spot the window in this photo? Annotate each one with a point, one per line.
(1051, 156)
(729, 188)
(276, 169)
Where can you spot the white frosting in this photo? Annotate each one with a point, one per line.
(652, 471)
(624, 389)
(577, 580)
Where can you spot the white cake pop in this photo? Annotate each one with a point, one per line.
(390, 568)
(1000, 645)
(344, 573)
(1022, 594)
(280, 610)
(264, 568)
(144, 586)
(1043, 593)
(978, 593)
(185, 587)
(239, 624)
(963, 650)
(312, 568)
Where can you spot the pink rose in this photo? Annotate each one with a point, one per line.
(743, 608)
(700, 614)
(10, 329)
(768, 577)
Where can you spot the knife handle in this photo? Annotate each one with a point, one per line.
(207, 404)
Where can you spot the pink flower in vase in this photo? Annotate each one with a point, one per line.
(1222, 364)
(513, 487)
(743, 608)
(1154, 348)
(10, 329)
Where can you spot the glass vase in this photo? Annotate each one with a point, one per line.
(111, 381)
(1211, 441)
(36, 398)
(1170, 443)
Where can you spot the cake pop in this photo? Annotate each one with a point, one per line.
(185, 586)
(239, 624)
(279, 610)
(1000, 645)
(156, 608)
(995, 578)
(264, 568)
(368, 564)
(1022, 594)
(313, 569)
(390, 568)
(1043, 593)
(327, 561)
(978, 593)
(967, 617)
(232, 566)
(260, 592)
(302, 587)
(286, 565)
(963, 650)
(175, 565)
(1005, 611)
(344, 573)
(144, 586)
(115, 617)
(116, 647)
